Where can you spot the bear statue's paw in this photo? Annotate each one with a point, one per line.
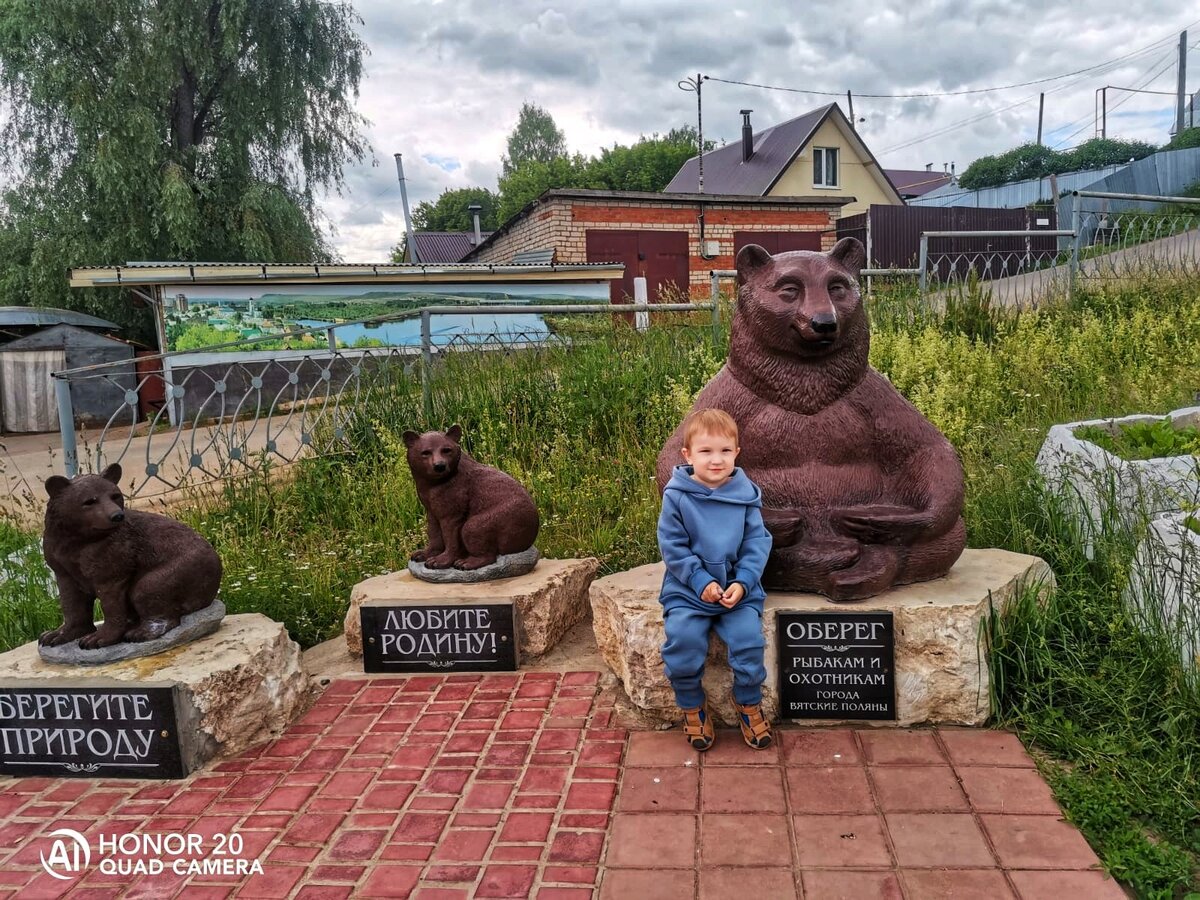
(150, 629)
(881, 524)
(474, 562)
(63, 635)
(102, 637)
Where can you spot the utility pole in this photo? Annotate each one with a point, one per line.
(850, 103)
(410, 248)
(1182, 81)
(1041, 109)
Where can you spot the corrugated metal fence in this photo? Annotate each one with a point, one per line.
(892, 234)
(1167, 173)
(1017, 194)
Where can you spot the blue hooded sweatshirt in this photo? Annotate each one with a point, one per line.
(708, 535)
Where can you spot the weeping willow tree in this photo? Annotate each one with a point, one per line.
(169, 129)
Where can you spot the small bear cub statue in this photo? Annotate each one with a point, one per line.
(475, 513)
(148, 570)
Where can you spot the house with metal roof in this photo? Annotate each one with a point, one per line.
(21, 321)
(816, 153)
(446, 246)
(913, 183)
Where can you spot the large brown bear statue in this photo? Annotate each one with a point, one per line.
(860, 491)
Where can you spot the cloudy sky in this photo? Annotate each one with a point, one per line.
(445, 80)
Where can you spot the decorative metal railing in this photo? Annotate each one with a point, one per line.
(1112, 236)
(222, 413)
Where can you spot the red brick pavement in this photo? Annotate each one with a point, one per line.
(520, 786)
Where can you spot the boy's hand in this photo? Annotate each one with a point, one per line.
(732, 595)
(712, 593)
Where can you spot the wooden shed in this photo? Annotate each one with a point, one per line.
(27, 402)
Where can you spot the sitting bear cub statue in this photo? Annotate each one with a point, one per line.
(860, 491)
(147, 570)
(475, 513)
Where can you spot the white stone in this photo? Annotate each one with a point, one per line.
(942, 673)
(549, 600)
(1091, 480)
(239, 686)
(1164, 584)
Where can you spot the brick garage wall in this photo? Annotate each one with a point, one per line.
(549, 225)
(563, 223)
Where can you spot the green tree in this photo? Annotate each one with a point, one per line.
(1035, 161)
(449, 212)
(1184, 140)
(1099, 152)
(169, 129)
(648, 165)
(197, 337)
(535, 138)
(529, 181)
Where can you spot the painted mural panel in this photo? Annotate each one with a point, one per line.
(200, 316)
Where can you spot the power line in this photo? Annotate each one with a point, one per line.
(928, 94)
(981, 117)
(1102, 69)
(1150, 80)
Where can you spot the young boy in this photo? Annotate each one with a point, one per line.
(715, 545)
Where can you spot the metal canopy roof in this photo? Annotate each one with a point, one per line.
(388, 273)
(47, 315)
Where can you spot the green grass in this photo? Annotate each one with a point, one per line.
(1144, 440)
(1111, 714)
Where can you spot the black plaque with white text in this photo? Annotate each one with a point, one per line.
(475, 637)
(89, 732)
(836, 665)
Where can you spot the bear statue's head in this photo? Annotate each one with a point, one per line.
(803, 303)
(434, 455)
(87, 504)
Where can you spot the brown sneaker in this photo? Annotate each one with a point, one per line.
(756, 731)
(698, 728)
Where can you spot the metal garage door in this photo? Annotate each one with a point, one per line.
(661, 257)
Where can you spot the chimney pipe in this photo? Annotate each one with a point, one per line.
(747, 135)
(928, 167)
(951, 170)
(474, 209)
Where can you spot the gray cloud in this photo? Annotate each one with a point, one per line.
(446, 80)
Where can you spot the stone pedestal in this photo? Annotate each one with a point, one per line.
(549, 600)
(941, 663)
(238, 686)
(1163, 593)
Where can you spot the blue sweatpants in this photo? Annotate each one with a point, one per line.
(687, 645)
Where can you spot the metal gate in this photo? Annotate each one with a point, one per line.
(661, 257)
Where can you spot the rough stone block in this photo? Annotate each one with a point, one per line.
(238, 686)
(1091, 480)
(941, 663)
(550, 600)
(1164, 584)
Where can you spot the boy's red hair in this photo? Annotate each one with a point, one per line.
(709, 421)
